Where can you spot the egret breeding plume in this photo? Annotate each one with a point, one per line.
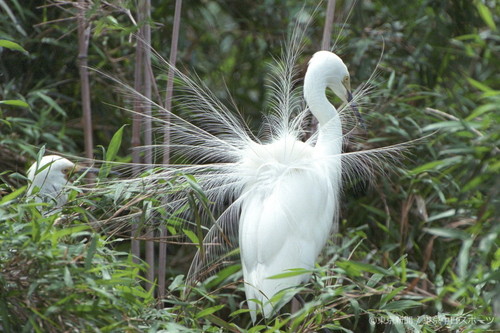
(48, 178)
(283, 192)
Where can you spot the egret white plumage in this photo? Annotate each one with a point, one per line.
(284, 192)
(50, 176)
(291, 198)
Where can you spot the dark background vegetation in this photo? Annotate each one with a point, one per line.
(421, 241)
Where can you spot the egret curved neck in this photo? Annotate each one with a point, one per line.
(330, 126)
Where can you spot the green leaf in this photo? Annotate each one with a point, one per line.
(482, 109)
(11, 196)
(192, 236)
(475, 182)
(400, 305)
(51, 102)
(114, 146)
(208, 311)
(239, 311)
(436, 165)
(12, 46)
(389, 296)
(375, 210)
(224, 274)
(354, 268)
(450, 126)
(447, 233)
(91, 252)
(486, 15)
(257, 328)
(290, 273)
(463, 258)
(479, 85)
(56, 236)
(15, 102)
(198, 238)
(442, 215)
(68, 280)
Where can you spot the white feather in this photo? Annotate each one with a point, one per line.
(50, 177)
(284, 193)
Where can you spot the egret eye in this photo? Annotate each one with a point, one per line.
(66, 171)
(346, 79)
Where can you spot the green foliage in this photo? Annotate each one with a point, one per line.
(418, 251)
(58, 275)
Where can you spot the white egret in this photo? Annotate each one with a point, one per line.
(283, 192)
(50, 176)
(291, 198)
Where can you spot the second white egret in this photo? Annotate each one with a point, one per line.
(49, 177)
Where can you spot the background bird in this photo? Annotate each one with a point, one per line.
(49, 177)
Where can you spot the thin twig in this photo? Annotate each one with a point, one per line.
(450, 117)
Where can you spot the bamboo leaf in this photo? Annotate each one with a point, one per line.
(485, 14)
(479, 85)
(192, 236)
(67, 278)
(400, 305)
(290, 273)
(91, 252)
(463, 258)
(114, 144)
(436, 165)
(15, 102)
(12, 46)
(447, 233)
(482, 109)
(11, 196)
(208, 311)
(111, 152)
(354, 268)
(51, 102)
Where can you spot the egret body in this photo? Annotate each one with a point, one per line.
(291, 197)
(284, 192)
(50, 176)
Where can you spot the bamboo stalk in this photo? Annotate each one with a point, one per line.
(325, 44)
(143, 43)
(136, 140)
(83, 48)
(162, 256)
(327, 29)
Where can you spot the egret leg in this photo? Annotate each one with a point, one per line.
(297, 303)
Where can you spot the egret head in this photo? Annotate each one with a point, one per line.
(335, 72)
(52, 168)
(330, 72)
(50, 175)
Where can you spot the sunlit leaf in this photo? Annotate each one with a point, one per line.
(12, 45)
(485, 14)
(209, 311)
(436, 165)
(355, 268)
(15, 102)
(400, 305)
(447, 233)
(290, 273)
